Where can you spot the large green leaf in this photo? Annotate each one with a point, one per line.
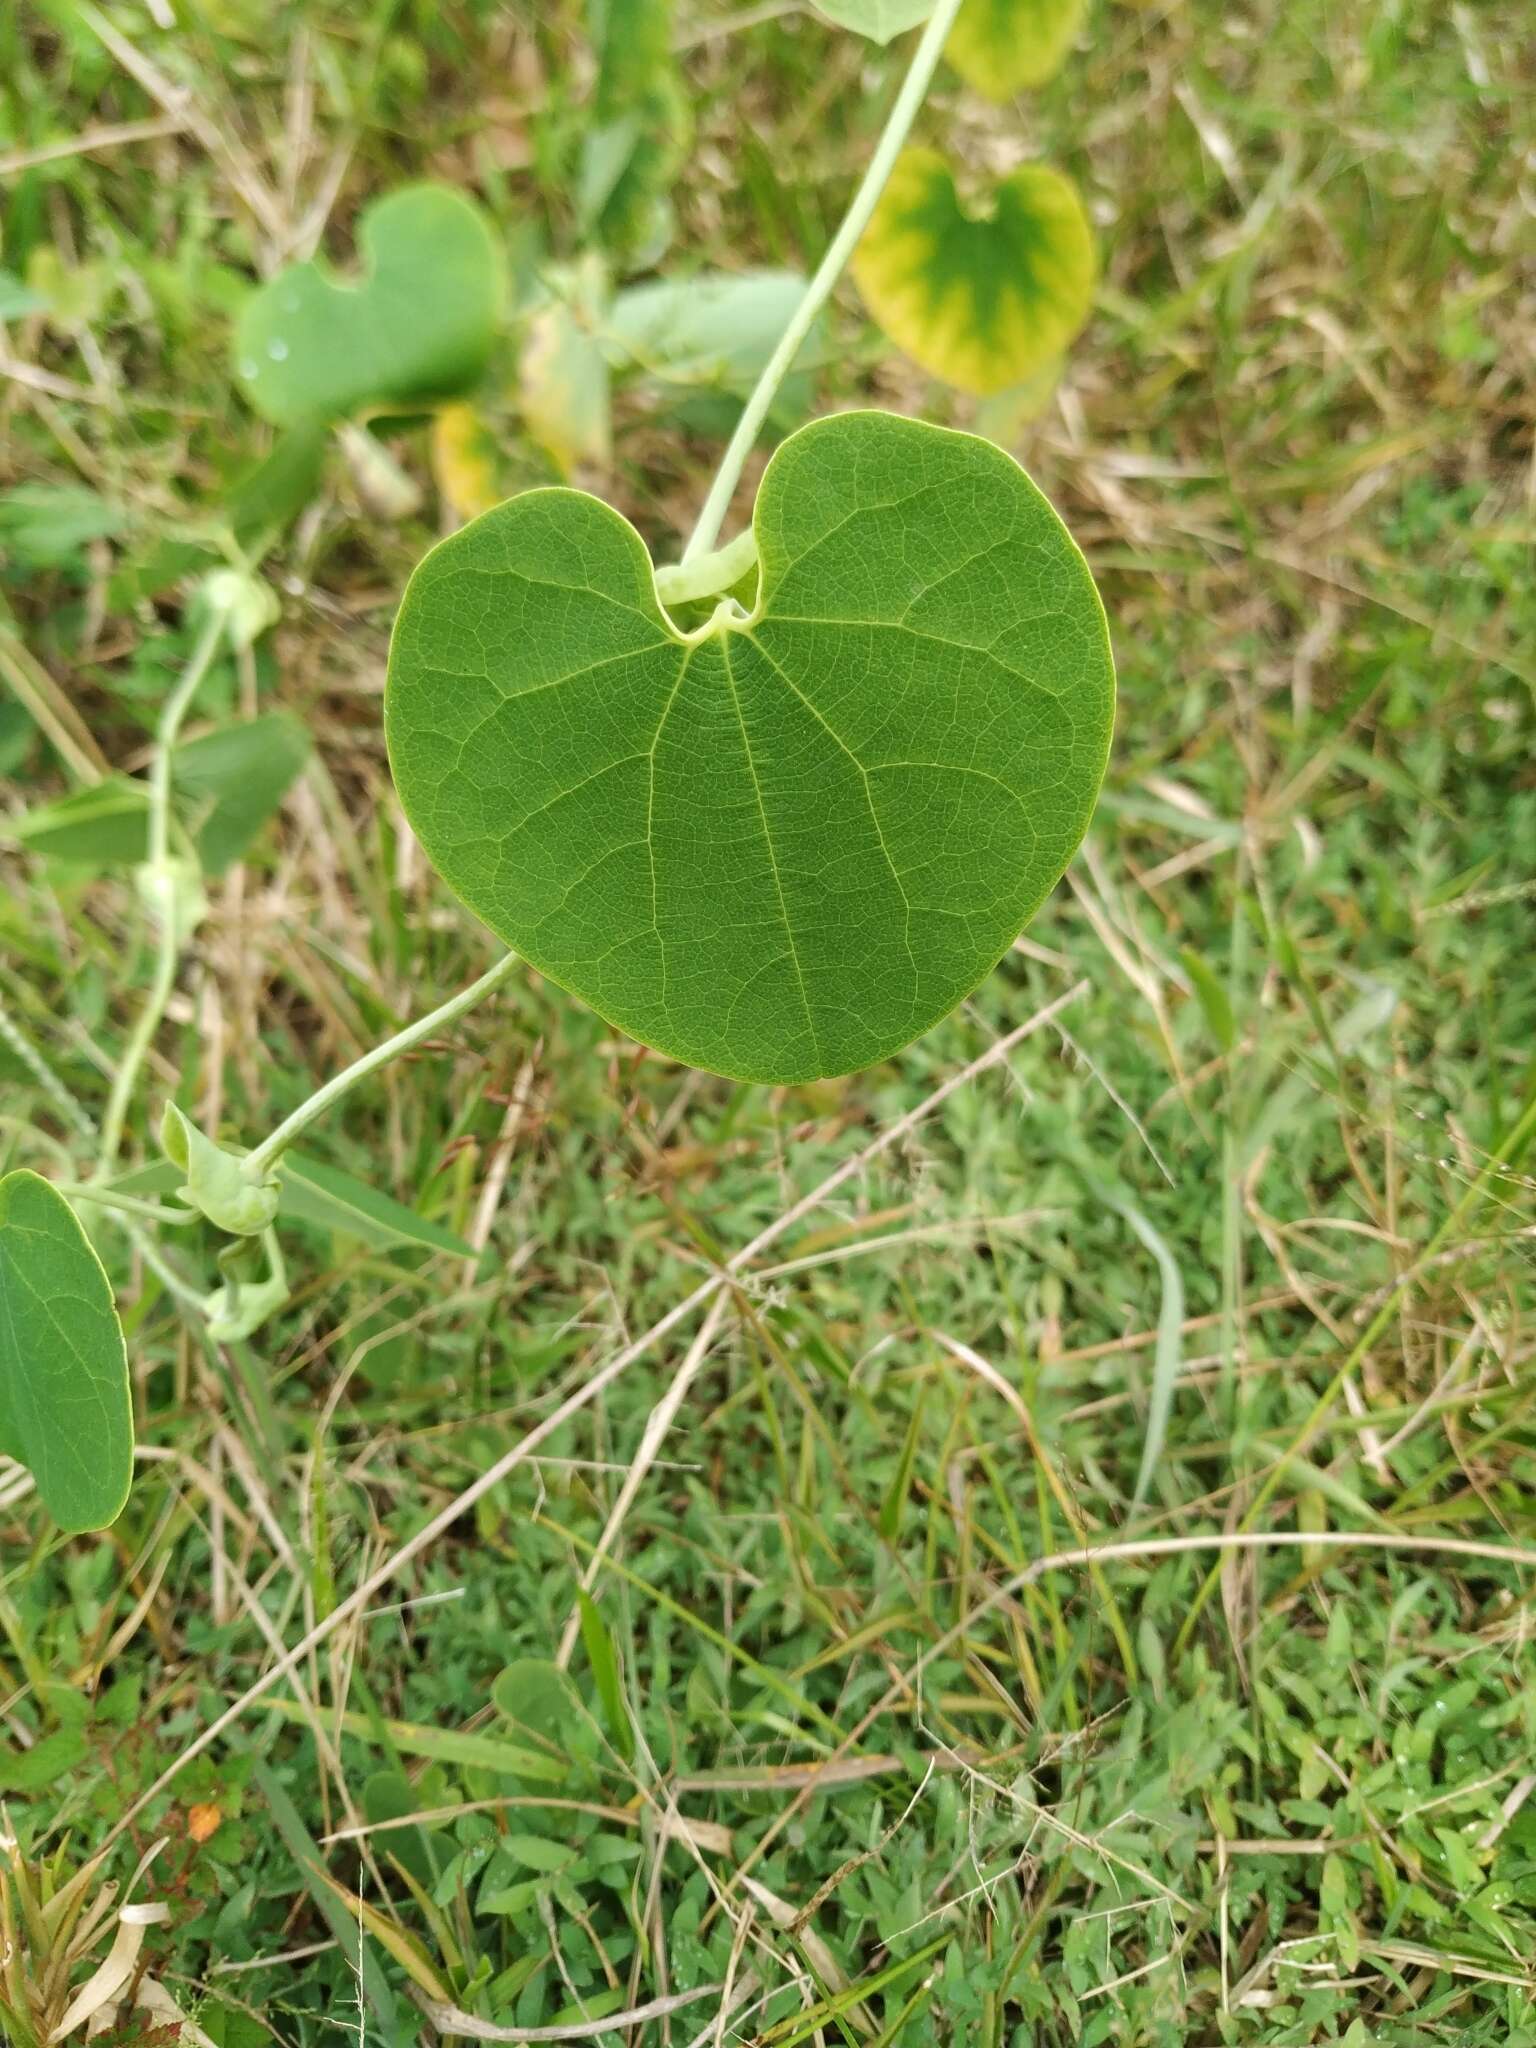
(981, 299)
(1006, 46)
(785, 844)
(65, 1408)
(417, 326)
(880, 20)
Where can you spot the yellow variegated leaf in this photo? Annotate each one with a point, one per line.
(1006, 46)
(982, 299)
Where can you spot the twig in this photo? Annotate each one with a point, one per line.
(86, 144)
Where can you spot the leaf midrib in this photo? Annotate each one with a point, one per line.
(773, 864)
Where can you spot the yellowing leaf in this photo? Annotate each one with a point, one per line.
(981, 299)
(1006, 46)
(464, 460)
(563, 382)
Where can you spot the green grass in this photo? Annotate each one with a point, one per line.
(1288, 1803)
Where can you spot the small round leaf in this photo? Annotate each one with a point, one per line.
(417, 326)
(1001, 47)
(981, 300)
(65, 1408)
(784, 845)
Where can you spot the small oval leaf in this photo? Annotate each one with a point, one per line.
(418, 325)
(717, 328)
(981, 300)
(65, 1407)
(880, 20)
(1000, 47)
(786, 844)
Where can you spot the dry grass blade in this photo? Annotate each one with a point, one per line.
(451, 2019)
(657, 1428)
(113, 1972)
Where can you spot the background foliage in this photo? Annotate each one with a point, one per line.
(1295, 441)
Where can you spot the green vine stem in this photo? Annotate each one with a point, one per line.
(161, 886)
(258, 1164)
(898, 123)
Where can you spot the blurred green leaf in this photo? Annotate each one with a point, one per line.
(717, 329)
(227, 784)
(1212, 997)
(418, 325)
(443, 1745)
(1001, 47)
(44, 526)
(267, 497)
(104, 825)
(641, 119)
(880, 20)
(603, 1658)
(17, 299)
(34, 1770)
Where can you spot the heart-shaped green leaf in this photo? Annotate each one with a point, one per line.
(981, 300)
(417, 326)
(1001, 47)
(880, 20)
(784, 845)
(65, 1407)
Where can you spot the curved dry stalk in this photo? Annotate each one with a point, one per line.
(451, 2019)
